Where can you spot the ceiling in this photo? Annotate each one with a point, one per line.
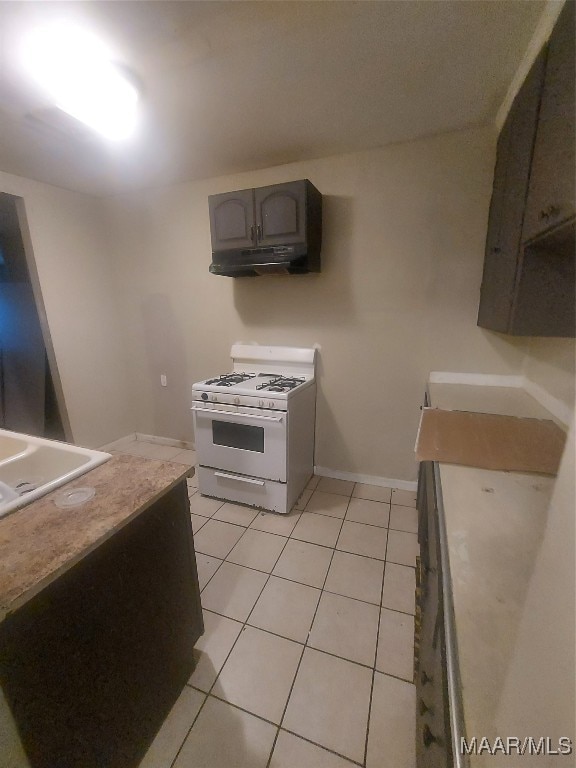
(234, 86)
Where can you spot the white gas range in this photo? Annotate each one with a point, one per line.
(254, 427)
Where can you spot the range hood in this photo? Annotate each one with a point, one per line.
(251, 262)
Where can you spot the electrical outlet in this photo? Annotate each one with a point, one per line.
(163, 379)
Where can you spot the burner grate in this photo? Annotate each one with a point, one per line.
(281, 384)
(230, 379)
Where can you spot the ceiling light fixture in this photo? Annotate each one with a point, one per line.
(80, 75)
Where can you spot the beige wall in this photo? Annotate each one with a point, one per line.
(404, 231)
(128, 296)
(550, 364)
(74, 262)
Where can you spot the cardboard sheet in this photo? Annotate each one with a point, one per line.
(490, 441)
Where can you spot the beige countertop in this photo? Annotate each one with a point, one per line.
(494, 526)
(40, 542)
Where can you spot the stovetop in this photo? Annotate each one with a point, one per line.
(253, 383)
(262, 377)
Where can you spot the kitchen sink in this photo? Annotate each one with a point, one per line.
(33, 466)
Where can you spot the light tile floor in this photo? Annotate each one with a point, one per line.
(306, 660)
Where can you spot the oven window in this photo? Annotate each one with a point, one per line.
(243, 436)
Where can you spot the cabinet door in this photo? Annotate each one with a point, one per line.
(511, 176)
(551, 197)
(281, 213)
(232, 220)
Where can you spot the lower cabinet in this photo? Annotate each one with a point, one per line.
(91, 666)
(433, 734)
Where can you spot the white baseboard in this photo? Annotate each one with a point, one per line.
(122, 442)
(186, 445)
(386, 482)
(117, 445)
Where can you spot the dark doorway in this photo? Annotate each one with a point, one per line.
(28, 400)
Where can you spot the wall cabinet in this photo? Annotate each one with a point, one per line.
(252, 218)
(281, 222)
(511, 176)
(528, 285)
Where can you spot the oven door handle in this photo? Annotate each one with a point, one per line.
(235, 414)
(242, 479)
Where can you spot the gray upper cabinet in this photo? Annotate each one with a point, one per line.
(281, 213)
(511, 177)
(253, 218)
(528, 284)
(232, 220)
(268, 230)
(551, 194)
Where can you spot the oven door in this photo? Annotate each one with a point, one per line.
(250, 441)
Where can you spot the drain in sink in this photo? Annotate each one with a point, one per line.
(25, 486)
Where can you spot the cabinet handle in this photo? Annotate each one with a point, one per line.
(428, 737)
(496, 249)
(423, 708)
(424, 678)
(550, 212)
(259, 232)
(252, 232)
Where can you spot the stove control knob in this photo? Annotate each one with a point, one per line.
(260, 403)
(215, 398)
(204, 396)
(236, 401)
(271, 404)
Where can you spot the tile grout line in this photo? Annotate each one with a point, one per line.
(275, 725)
(344, 551)
(202, 608)
(320, 746)
(375, 661)
(305, 645)
(306, 541)
(312, 586)
(207, 694)
(244, 624)
(206, 555)
(332, 517)
(367, 557)
(325, 546)
(319, 589)
(310, 512)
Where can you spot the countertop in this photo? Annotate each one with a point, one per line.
(506, 401)
(494, 525)
(40, 542)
